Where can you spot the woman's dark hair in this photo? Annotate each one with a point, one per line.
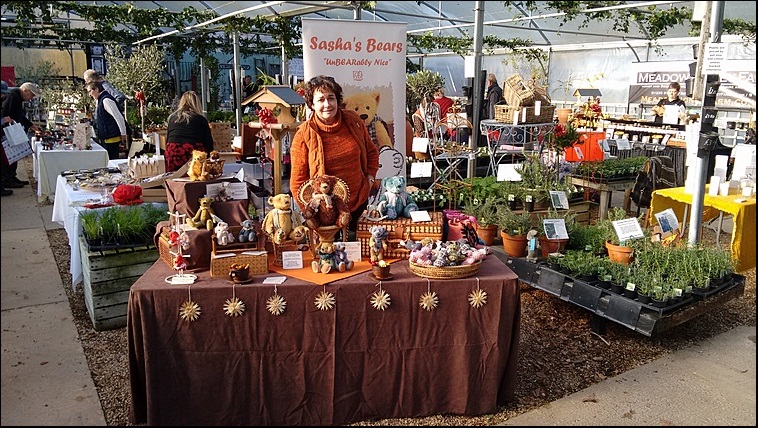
(322, 82)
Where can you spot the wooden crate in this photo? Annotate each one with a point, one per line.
(581, 209)
(400, 229)
(155, 190)
(108, 276)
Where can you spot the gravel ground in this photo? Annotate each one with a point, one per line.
(559, 354)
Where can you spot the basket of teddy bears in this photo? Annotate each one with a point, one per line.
(446, 260)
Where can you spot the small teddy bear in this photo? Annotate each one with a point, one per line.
(326, 259)
(197, 169)
(223, 235)
(395, 202)
(340, 255)
(377, 243)
(247, 233)
(280, 223)
(204, 216)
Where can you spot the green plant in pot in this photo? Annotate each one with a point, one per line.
(485, 212)
(513, 228)
(548, 245)
(93, 232)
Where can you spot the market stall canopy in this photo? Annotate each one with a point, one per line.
(444, 19)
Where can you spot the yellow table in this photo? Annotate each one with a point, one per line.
(743, 232)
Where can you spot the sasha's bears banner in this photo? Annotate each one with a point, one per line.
(367, 59)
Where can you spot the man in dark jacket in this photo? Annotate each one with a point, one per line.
(111, 126)
(13, 111)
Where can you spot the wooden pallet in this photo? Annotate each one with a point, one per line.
(108, 276)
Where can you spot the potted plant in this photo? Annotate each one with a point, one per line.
(513, 227)
(617, 251)
(551, 244)
(485, 212)
(93, 231)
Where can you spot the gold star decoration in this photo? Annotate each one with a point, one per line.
(189, 311)
(477, 298)
(380, 300)
(325, 301)
(428, 300)
(234, 307)
(276, 304)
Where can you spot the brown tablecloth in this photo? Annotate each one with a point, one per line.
(321, 367)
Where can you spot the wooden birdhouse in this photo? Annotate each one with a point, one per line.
(282, 100)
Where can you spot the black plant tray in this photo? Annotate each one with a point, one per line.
(644, 318)
(700, 294)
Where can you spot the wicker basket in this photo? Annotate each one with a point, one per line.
(517, 93)
(448, 272)
(504, 114)
(220, 267)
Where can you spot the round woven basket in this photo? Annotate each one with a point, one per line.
(447, 272)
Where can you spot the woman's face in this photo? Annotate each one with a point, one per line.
(325, 105)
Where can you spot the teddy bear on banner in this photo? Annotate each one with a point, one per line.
(366, 105)
(394, 201)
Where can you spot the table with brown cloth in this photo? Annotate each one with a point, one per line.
(321, 367)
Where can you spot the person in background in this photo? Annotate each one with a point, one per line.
(443, 101)
(93, 76)
(334, 141)
(672, 99)
(248, 88)
(110, 123)
(494, 95)
(13, 111)
(4, 160)
(188, 130)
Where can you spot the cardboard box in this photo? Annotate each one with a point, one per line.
(154, 190)
(222, 136)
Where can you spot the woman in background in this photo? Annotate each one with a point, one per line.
(188, 130)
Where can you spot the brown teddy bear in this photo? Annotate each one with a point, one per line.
(325, 207)
(282, 222)
(326, 258)
(204, 216)
(197, 170)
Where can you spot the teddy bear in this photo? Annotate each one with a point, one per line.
(394, 202)
(247, 233)
(326, 208)
(340, 255)
(204, 216)
(280, 223)
(326, 258)
(366, 105)
(197, 170)
(223, 235)
(377, 243)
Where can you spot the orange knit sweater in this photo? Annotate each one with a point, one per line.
(344, 150)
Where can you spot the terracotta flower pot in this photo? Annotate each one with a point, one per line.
(514, 245)
(548, 246)
(487, 234)
(619, 254)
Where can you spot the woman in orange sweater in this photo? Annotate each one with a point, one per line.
(334, 142)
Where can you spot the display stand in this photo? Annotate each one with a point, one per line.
(277, 132)
(505, 139)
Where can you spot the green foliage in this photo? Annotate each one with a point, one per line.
(512, 223)
(140, 71)
(485, 211)
(610, 168)
(418, 85)
(90, 221)
(36, 73)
